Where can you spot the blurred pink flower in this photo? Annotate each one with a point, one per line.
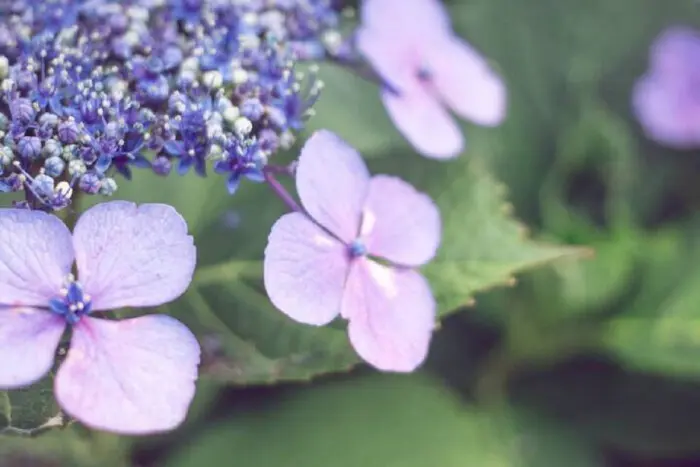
(428, 70)
(666, 99)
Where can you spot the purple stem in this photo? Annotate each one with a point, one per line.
(363, 70)
(280, 191)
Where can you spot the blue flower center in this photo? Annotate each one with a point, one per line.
(356, 249)
(424, 74)
(72, 303)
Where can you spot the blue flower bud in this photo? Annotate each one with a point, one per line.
(43, 185)
(22, 111)
(52, 148)
(108, 187)
(162, 165)
(6, 156)
(29, 147)
(90, 183)
(68, 132)
(253, 109)
(54, 166)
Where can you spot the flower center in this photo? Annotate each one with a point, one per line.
(72, 303)
(356, 249)
(424, 74)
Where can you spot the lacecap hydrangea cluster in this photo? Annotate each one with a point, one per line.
(94, 88)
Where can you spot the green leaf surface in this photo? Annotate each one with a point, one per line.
(383, 421)
(72, 447)
(659, 330)
(636, 413)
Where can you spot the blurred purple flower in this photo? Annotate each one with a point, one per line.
(324, 264)
(134, 376)
(666, 99)
(428, 70)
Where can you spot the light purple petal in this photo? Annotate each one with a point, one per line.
(305, 270)
(399, 223)
(332, 180)
(28, 341)
(35, 258)
(135, 376)
(667, 113)
(133, 256)
(675, 53)
(391, 315)
(467, 83)
(423, 121)
(666, 99)
(406, 20)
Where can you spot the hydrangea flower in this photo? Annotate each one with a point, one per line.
(666, 99)
(169, 83)
(134, 376)
(353, 254)
(428, 71)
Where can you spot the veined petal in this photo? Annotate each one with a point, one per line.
(28, 342)
(130, 255)
(391, 313)
(35, 258)
(305, 270)
(399, 223)
(332, 180)
(133, 377)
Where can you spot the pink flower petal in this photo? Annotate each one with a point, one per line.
(399, 223)
(406, 20)
(676, 53)
(305, 270)
(667, 114)
(133, 256)
(135, 376)
(332, 180)
(423, 121)
(467, 83)
(28, 341)
(35, 258)
(391, 313)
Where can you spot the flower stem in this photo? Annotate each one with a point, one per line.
(280, 191)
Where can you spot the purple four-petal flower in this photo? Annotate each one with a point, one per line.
(428, 69)
(134, 376)
(323, 264)
(667, 98)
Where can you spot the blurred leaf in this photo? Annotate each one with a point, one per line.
(632, 412)
(70, 447)
(383, 421)
(660, 330)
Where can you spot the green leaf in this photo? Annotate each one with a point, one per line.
(638, 413)
(71, 447)
(483, 246)
(382, 421)
(660, 330)
(32, 410)
(246, 340)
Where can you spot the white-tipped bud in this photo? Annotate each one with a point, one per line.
(212, 79)
(231, 114)
(242, 126)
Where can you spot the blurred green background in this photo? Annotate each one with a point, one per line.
(591, 360)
